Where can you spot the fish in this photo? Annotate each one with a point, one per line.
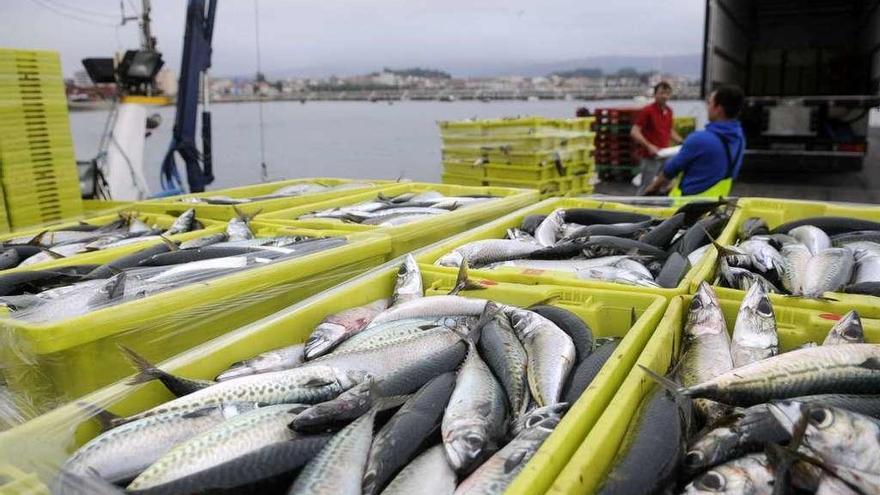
(339, 468)
(204, 241)
(797, 259)
(391, 332)
(306, 384)
(281, 359)
(852, 368)
(122, 453)
(752, 474)
(814, 238)
(847, 330)
(751, 227)
(9, 258)
(548, 231)
(474, 423)
(428, 474)
(648, 458)
(701, 233)
(696, 255)
(867, 288)
(433, 306)
(840, 240)
(661, 235)
(828, 271)
(487, 251)
(56, 252)
(238, 228)
(601, 245)
(550, 353)
(830, 225)
(183, 223)
(232, 438)
(147, 372)
(408, 284)
(626, 230)
(128, 261)
(749, 430)
(867, 269)
(673, 271)
(505, 355)
(590, 216)
(570, 323)
(705, 347)
(569, 266)
(616, 275)
(335, 328)
(399, 440)
(754, 333)
(342, 409)
(846, 443)
(585, 372)
(498, 472)
(765, 258)
(531, 222)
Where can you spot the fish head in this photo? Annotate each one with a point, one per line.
(704, 313)
(749, 474)
(466, 444)
(835, 433)
(322, 338)
(756, 311)
(542, 417)
(452, 259)
(847, 330)
(710, 448)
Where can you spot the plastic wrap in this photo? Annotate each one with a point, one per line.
(36, 450)
(593, 459)
(410, 236)
(271, 196)
(60, 334)
(88, 247)
(498, 229)
(776, 212)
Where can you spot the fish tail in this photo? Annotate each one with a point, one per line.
(172, 246)
(670, 385)
(147, 372)
(462, 282)
(105, 418)
(37, 239)
(53, 254)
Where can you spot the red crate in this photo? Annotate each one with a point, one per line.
(615, 112)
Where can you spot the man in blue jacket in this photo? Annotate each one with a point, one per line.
(709, 160)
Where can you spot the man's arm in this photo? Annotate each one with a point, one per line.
(675, 136)
(636, 134)
(691, 151)
(658, 184)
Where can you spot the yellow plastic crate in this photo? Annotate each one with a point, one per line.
(36, 156)
(589, 466)
(411, 236)
(776, 212)
(464, 168)
(484, 127)
(48, 364)
(174, 205)
(525, 173)
(541, 141)
(498, 230)
(546, 188)
(462, 180)
(41, 444)
(100, 207)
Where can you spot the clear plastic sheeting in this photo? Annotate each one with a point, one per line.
(62, 327)
(375, 363)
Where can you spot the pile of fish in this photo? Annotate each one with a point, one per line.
(805, 258)
(48, 295)
(413, 394)
(804, 421)
(398, 210)
(290, 191)
(86, 237)
(595, 244)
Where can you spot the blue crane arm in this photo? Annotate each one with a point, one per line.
(196, 59)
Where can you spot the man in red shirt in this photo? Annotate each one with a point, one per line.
(652, 132)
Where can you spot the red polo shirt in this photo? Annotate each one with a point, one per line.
(656, 125)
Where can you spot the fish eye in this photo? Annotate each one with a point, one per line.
(474, 441)
(696, 303)
(852, 333)
(764, 307)
(712, 481)
(693, 458)
(821, 418)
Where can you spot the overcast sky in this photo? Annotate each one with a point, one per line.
(353, 36)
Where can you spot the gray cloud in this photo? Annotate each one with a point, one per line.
(350, 36)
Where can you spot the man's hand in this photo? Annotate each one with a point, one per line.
(675, 137)
(660, 181)
(653, 150)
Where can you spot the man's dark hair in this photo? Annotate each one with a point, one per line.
(731, 98)
(662, 85)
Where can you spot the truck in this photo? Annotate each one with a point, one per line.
(810, 70)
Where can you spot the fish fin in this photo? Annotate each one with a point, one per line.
(317, 382)
(512, 462)
(670, 385)
(37, 239)
(198, 413)
(871, 364)
(105, 418)
(147, 372)
(462, 282)
(53, 254)
(172, 246)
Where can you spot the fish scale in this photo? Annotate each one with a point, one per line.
(427, 474)
(550, 353)
(828, 271)
(483, 252)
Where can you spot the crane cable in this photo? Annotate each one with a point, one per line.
(264, 169)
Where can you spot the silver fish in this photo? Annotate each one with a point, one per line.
(487, 251)
(434, 306)
(847, 330)
(828, 271)
(568, 266)
(754, 334)
(203, 241)
(794, 269)
(183, 223)
(867, 269)
(238, 229)
(64, 250)
(705, 347)
(814, 238)
(617, 275)
(428, 474)
(387, 333)
(232, 438)
(339, 468)
(550, 353)
(408, 285)
(334, 329)
(742, 279)
(401, 219)
(548, 231)
(696, 255)
(503, 352)
(281, 359)
(474, 422)
(749, 475)
(765, 257)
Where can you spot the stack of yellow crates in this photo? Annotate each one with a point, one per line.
(37, 164)
(684, 125)
(554, 156)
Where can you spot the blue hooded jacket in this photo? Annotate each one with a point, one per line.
(703, 157)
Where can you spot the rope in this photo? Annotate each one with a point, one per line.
(264, 169)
